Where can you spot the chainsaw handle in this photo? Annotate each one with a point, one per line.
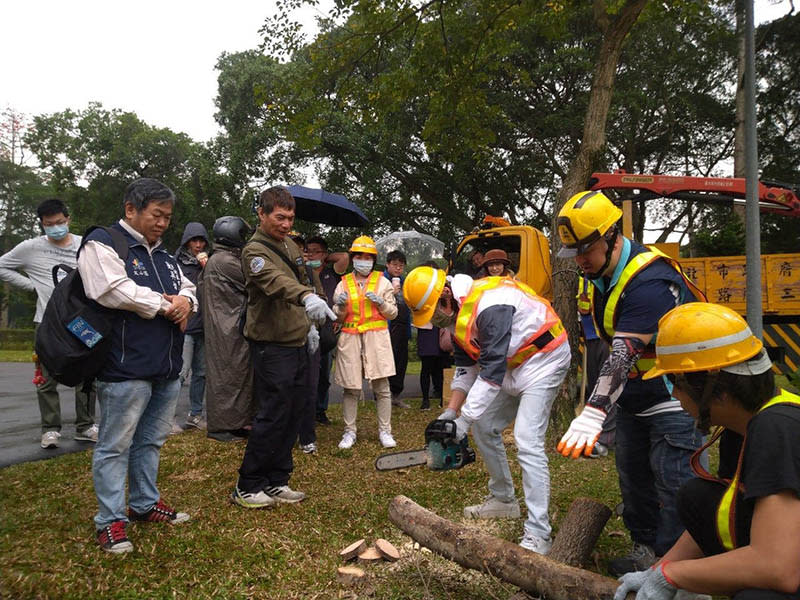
(442, 430)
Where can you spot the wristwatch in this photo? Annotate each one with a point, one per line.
(191, 303)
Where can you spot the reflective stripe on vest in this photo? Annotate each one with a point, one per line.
(362, 314)
(549, 336)
(636, 264)
(726, 509)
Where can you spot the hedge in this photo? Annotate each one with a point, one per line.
(16, 339)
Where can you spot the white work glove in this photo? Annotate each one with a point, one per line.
(448, 415)
(630, 582)
(313, 339)
(376, 300)
(656, 586)
(582, 433)
(341, 299)
(317, 309)
(462, 427)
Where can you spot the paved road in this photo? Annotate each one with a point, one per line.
(20, 423)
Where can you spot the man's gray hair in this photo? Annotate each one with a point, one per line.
(145, 190)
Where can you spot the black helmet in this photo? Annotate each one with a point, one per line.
(231, 231)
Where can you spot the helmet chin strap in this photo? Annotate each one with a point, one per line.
(611, 241)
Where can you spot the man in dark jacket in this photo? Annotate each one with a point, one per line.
(138, 385)
(191, 258)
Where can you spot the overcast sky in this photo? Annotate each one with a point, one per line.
(155, 58)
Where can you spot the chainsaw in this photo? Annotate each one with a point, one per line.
(442, 451)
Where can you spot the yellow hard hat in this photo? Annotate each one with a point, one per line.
(701, 336)
(421, 291)
(583, 220)
(364, 243)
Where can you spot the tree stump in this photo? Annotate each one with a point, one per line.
(505, 560)
(578, 532)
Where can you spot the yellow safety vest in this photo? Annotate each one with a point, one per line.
(610, 317)
(585, 296)
(362, 314)
(726, 510)
(549, 336)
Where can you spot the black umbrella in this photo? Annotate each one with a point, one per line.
(319, 206)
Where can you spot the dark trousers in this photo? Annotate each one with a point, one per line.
(324, 381)
(697, 507)
(280, 387)
(308, 418)
(431, 370)
(399, 336)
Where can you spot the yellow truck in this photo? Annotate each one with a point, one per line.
(722, 278)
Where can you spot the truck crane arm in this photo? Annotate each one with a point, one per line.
(781, 198)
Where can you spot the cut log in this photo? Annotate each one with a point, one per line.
(369, 555)
(350, 575)
(387, 550)
(353, 550)
(505, 560)
(579, 531)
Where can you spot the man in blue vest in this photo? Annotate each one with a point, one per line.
(138, 386)
(633, 288)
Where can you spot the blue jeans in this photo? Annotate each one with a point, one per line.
(194, 359)
(197, 387)
(136, 418)
(652, 455)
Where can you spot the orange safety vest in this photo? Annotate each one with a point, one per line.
(549, 336)
(726, 510)
(610, 317)
(362, 314)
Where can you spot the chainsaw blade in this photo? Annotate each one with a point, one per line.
(401, 460)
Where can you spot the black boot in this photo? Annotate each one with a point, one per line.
(426, 404)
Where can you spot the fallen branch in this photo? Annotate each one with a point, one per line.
(505, 560)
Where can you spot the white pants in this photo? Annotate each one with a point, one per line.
(383, 402)
(532, 412)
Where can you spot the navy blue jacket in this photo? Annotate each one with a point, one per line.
(144, 348)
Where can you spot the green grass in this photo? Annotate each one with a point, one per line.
(47, 536)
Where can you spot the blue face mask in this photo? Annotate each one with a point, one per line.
(56, 232)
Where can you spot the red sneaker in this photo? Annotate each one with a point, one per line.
(112, 538)
(160, 513)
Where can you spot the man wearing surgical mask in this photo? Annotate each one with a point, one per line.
(29, 266)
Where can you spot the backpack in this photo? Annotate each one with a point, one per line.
(74, 338)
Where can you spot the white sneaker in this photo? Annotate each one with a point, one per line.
(283, 493)
(176, 429)
(492, 508)
(308, 448)
(50, 439)
(537, 544)
(348, 439)
(88, 435)
(252, 499)
(387, 441)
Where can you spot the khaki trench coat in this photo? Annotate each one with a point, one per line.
(369, 354)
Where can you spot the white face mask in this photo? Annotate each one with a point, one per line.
(362, 267)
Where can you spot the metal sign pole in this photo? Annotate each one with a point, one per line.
(752, 219)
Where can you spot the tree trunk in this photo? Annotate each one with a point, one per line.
(590, 156)
(578, 532)
(505, 560)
